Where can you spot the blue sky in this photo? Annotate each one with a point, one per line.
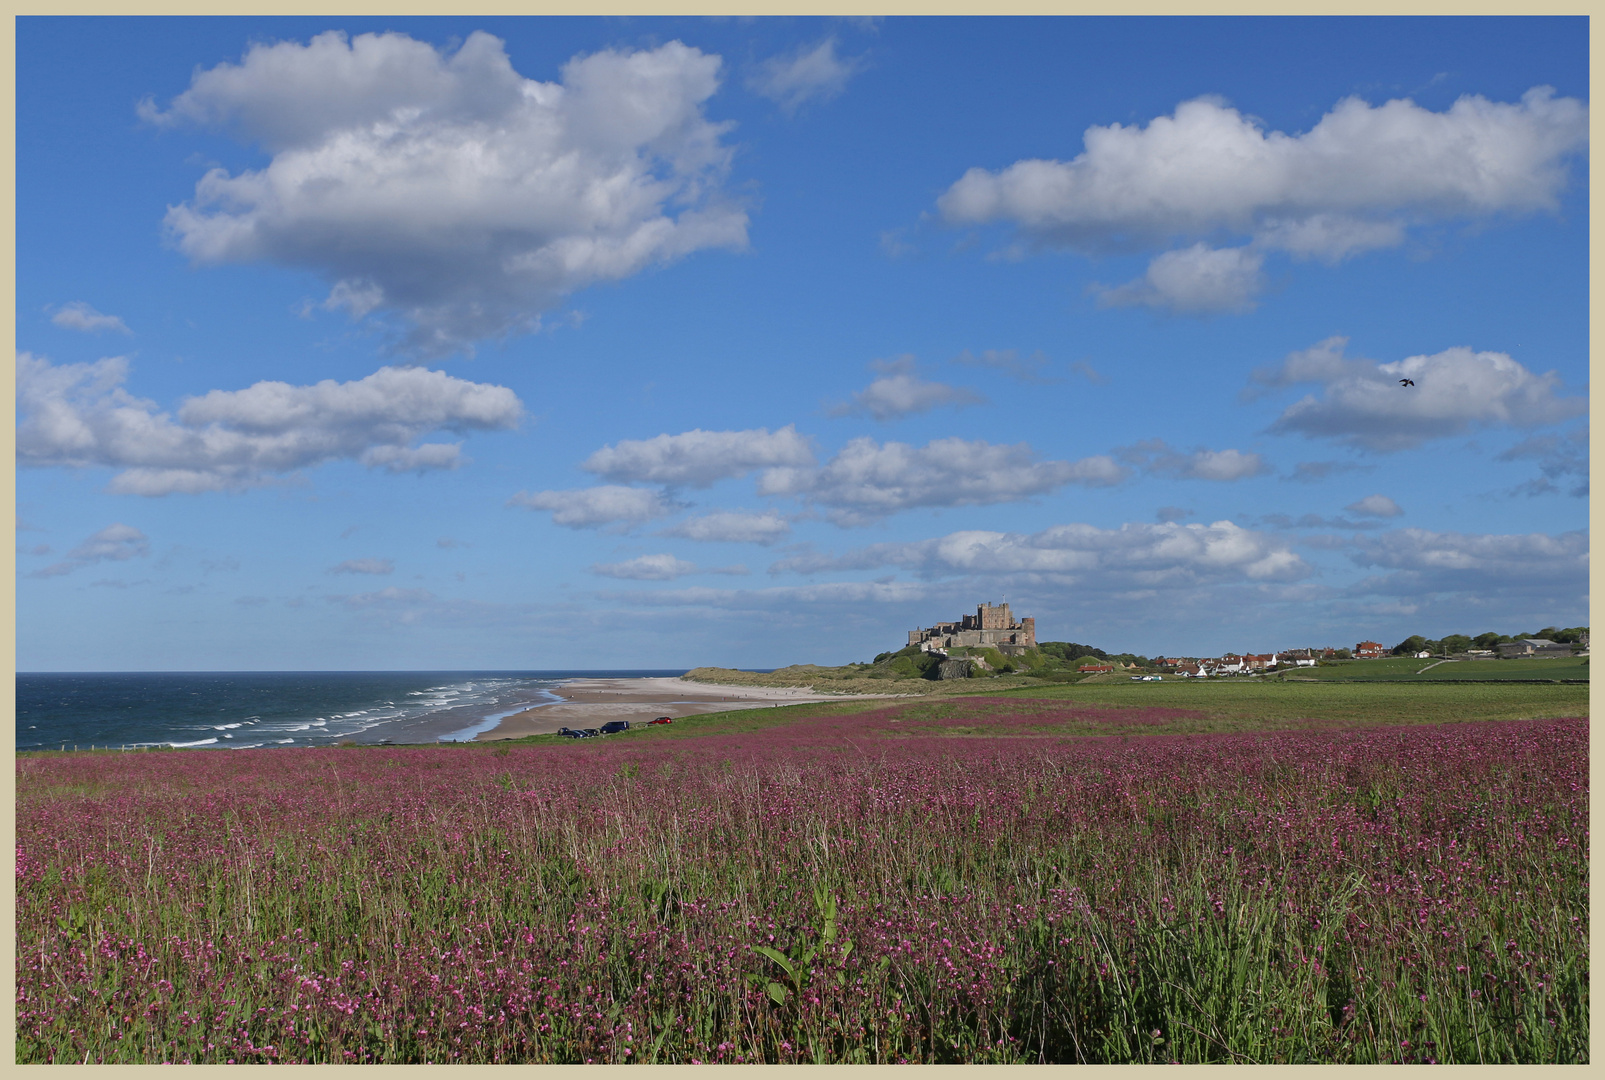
(600, 343)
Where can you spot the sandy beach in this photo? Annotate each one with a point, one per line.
(593, 702)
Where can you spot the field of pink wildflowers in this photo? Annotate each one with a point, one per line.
(854, 889)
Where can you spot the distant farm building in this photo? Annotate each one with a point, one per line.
(1533, 647)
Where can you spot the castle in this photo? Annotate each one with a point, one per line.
(991, 627)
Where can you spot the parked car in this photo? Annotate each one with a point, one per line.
(591, 732)
(661, 720)
(570, 733)
(612, 727)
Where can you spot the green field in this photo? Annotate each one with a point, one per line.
(880, 679)
(1413, 669)
(1212, 705)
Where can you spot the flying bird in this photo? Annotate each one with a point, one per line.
(1407, 382)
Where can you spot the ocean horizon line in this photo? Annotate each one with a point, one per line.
(621, 672)
(244, 709)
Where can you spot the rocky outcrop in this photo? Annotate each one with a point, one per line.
(962, 668)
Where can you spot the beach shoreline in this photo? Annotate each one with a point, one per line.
(594, 702)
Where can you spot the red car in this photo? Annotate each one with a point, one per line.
(661, 720)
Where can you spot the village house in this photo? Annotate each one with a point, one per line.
(1370, 650)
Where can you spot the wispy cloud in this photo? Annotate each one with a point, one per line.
(734, 527)
(901, 392)
(114, 543)
(78, 315)
(806, 74)
(364, 566)
(608, 504)
(1375, 506)
(1027, 369)
(658, 568)
(1158, 457)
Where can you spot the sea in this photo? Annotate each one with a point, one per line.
(248, 709)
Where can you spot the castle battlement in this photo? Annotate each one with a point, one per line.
(991, 627)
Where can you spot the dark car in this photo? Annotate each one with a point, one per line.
(614, 726)
(661, 720)
(570, 733)
(591, 732)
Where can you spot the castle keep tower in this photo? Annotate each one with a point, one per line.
(991, 627)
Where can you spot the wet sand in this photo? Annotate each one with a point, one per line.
(593, 702)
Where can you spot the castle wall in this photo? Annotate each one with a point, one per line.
(993, 618)
(992, 626)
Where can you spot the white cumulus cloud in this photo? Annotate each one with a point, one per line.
(794, 78)
(80, 316)
(700, 458)
(783, 599)
(901, 392)
(1358, 180)
(447, 188)
(1197, 280)
(1208, 167)
(1363, 403)
(868, 480)
(733, 526)
(608, 504)
(80, 415)
(1134, 555)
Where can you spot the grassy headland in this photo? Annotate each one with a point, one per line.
(909, 671)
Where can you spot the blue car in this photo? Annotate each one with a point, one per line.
(615, 726)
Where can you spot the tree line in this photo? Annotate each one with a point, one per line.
(1455, 643)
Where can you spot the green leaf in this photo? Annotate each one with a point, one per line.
(778, 993)
(847, 947)
(778, 957)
